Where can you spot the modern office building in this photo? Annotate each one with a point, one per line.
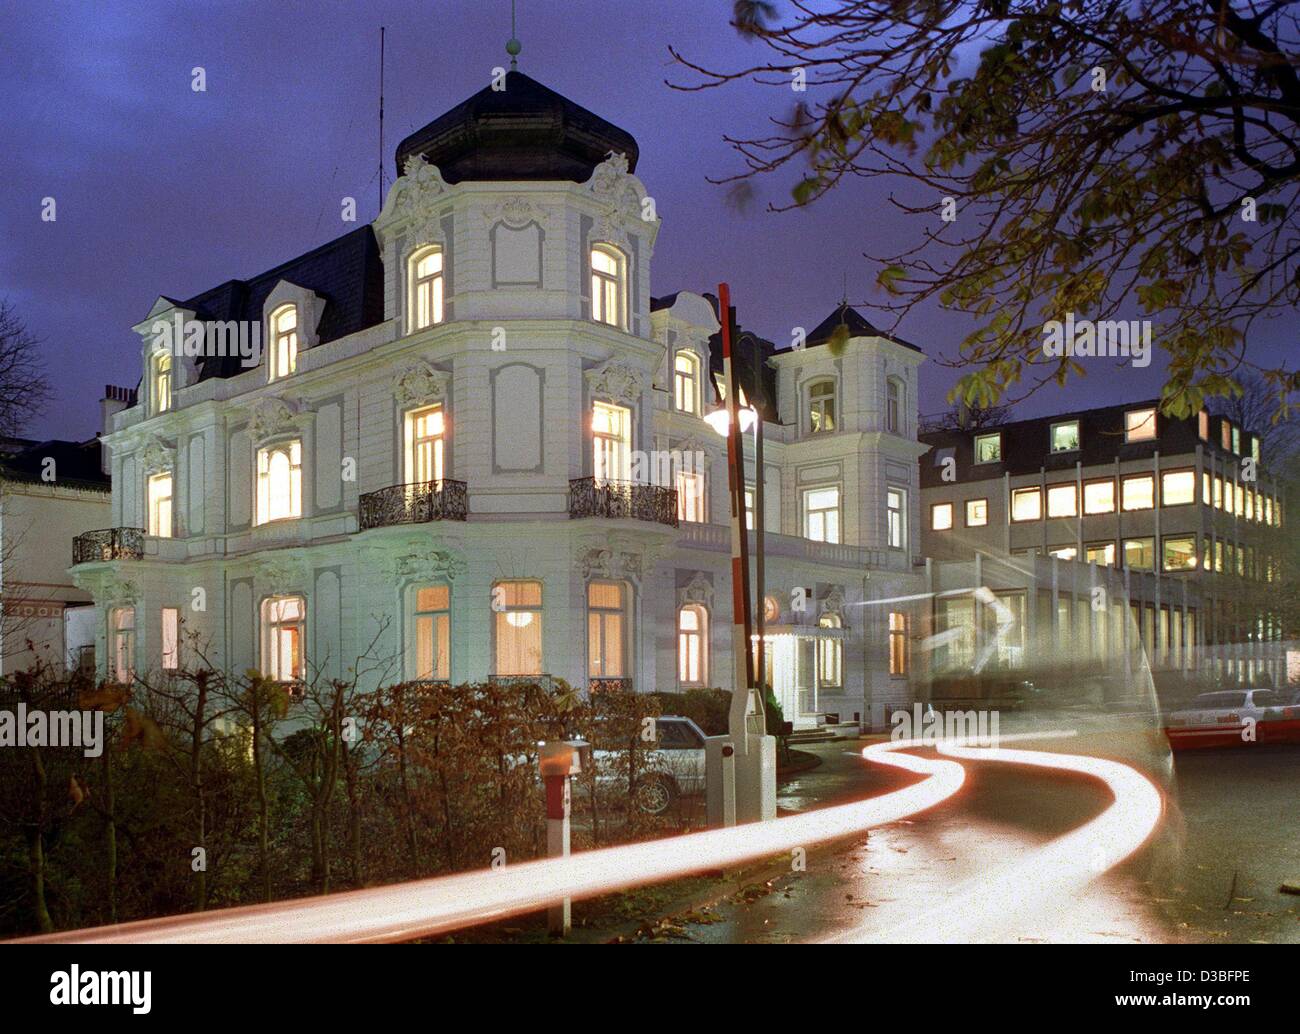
(1124, 487)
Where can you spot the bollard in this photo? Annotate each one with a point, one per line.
(559, 761)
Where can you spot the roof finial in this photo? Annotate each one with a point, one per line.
(513, 46)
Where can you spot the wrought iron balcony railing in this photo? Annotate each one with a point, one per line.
(596, 497)
(416, 503)
(108, 544)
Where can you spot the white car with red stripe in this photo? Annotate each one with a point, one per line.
(1231, 716)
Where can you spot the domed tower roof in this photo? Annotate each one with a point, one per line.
(525, 132)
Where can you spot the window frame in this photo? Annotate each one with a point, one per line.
(1127, 479)
(686, 498)
(807, 512)
(1114, 495)
(412, 444)
(686, 383)
(698, 635)
(896, 530)
(605, 283)
(122, 642)
(262, 479)
(619, 444)
(282, 343)
(977, 524)
(1074, 499)
(502, 618)
(160, 380)
(935, 508)
(153, 503)
(437, 287)
(822, 404)
(1027, 491)
(271, 648)
(1131, 430)
(1182, 472)
(1051, 436)
(975, 447)
(436, 615)
(602, 615)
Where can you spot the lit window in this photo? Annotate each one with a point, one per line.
(941, 516)
(1177, 488)
(432, 633)
(1225, 433)
(1139, 425)
(1026, 504)
(162, 381)
(1099, 496)
(1240, 496)
(518, 608)
(830, 653)
(690, 497)
(821, 406)
(607, 276)
(821, 514)
(1218, 492)
(171, 638)
(425, 443)
(160, 505)
(1065, 436)
(1140, 554)
(1236, 439)
(1064, 552)
(749, 508)
(284, 342)
(122, 629)
(1062, 501)
(1203, 425)
(284, 624)
(988, 448)
(605, 630)
(686, 382)
(897, 643)
(426, 288)
(1102, 553)
(1138, 492)
(1180, 553)
(893, 406)
(692, 645)
(279, 482)
(977, 513)
(611, 429)
(895, 517)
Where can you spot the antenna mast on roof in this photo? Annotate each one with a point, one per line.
(513, 46)
(381, 117)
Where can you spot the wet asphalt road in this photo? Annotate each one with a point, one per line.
(1211, 872)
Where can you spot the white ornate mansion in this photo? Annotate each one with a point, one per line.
(445, 454)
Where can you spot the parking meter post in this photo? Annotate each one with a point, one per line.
(559, 761)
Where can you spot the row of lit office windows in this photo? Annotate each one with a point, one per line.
(1136, 492)
(1178, 553)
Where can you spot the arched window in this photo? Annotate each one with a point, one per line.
(686, 382)
(692, 645)
(821, 406)
(894, 406)
(426, 288)
(162, 381)
(608, 285)
(279, 482)
(284, 342)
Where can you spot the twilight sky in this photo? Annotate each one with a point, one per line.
(162, 190)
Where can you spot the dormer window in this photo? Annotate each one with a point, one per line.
(821, 406)
(608, 285)
(686, 382)
(284, 342)
(1140, 425)
(161, 381)
(426, 288)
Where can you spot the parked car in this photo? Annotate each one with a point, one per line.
(1218, 719)
(672, 769)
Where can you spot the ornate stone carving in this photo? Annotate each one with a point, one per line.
(833, 603)
(420, 201)
(616, 382)
(609, 176)
(420, 384)
(155, 455)
(699, 591)
(272, 416)
(415, 560)
(612, 564)
(516, 211)
(619, 197)
(282, 573)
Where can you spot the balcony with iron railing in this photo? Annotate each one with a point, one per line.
(415, 503)
(108, 544)
(597, 497)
